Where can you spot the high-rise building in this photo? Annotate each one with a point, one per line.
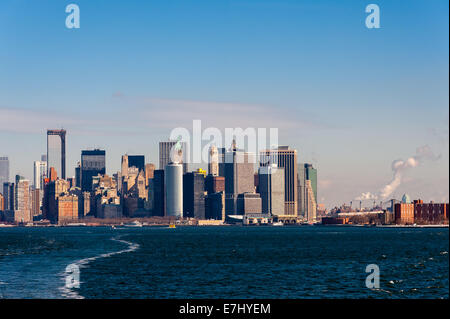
(214, 184)
(157, 194)
(311, 205)
(306, 172)
(56, 151)
(149, 172)
(222, 151)
(78, 175)
(215, 206)
(92, 164)
(4, 170)
(271, 187)
(173, 175)
(194, 195)
(137, 161)
(9, 195)
(239, 175)
(53, 190)
(36, 200)
(167, 151)
(213, 162)
(39, 174)
(2, 202)
(248, 203)
(311, 175)
(22, 200)
(287, 159)
(52, 174)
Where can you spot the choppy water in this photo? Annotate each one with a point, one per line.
(224, 262)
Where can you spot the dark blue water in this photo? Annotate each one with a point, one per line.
(224, 262)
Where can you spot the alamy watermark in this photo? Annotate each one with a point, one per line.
(194, 146)
(73, 19)
(373, 19)
(373, 279)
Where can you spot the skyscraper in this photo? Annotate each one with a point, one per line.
(287, 159)
(239, 178)
(166, 149)
(78, 175)
(194, 195)
(56, 151)
(271, 188)
(39, 174)
(4, 170)
(22, 200)
(92, 164)
(157, 195)
(213, 163)
(173, 175)
(8, 193)
(306, 172)
(311, 206)
(222, 151)
(149, 172)
(137, 161)
(311, 175)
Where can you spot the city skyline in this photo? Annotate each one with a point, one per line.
(349, 99)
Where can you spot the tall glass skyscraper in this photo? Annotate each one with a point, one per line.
(4, 170)
(307, 189)
(286, 158)
(92, 163)
(56, 152)
(39, 174)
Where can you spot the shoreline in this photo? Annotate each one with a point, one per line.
(119, 225)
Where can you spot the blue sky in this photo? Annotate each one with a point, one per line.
(351, 100)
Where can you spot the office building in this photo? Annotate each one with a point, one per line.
(52, 174)
(39, 174)
(56, 151)
(248, 203)
(239, 172)
(214, 184)
(177, 150)
(78, 175)
(149, 172)
(215, 206)
(4, 170)
(36, 201)
(194, 195)
(52, 191)
(271, 188)
(2, 202)
(311, 175)
(92, 164)
(157, 193)
(9, 195)
(311, 205)
(173, 175)
(22, 200)
(213, 162)
(285, 158)
(137, 161)
(306, 172)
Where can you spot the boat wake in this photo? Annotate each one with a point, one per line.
(71, 293)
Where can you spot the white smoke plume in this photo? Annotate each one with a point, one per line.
(398, 168)
(367, 196)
